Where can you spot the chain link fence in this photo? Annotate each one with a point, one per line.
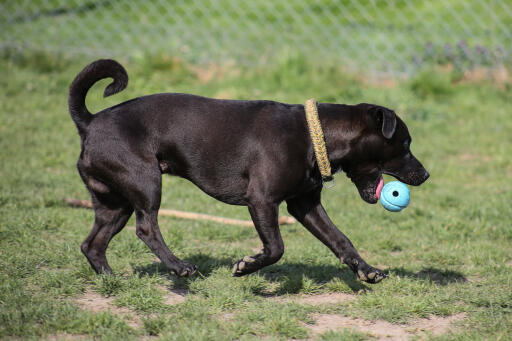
(394, 36)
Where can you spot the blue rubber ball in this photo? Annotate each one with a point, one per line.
(395, 196)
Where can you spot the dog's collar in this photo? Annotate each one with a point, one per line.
(318, 140)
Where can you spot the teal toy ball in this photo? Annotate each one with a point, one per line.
(395, 196)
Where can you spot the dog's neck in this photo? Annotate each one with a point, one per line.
(339, 132)
(317, 139)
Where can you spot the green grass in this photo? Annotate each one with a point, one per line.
(449, 252)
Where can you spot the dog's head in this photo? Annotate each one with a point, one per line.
(383, 147)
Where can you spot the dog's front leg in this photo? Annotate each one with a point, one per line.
(309, 211)
(264, 216)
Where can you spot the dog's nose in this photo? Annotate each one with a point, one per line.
(426, 175)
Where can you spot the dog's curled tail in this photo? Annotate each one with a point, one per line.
(103, 68)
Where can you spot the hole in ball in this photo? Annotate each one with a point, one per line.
(395, 193)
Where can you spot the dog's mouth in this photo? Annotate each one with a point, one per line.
(370, 184)
(370, 190)
(374, 190)
(378, 189)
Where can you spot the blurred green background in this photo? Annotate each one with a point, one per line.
(395, 36)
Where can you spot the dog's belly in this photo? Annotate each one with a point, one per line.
(231, 192)
(218, 181)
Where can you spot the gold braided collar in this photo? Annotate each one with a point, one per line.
(317, 137)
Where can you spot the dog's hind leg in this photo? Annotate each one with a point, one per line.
(264, 216)
(111, 214)
(145, 196)
(308, 210)
(149, 232)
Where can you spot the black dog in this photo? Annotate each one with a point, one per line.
(252, 153)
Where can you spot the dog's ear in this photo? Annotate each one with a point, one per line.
(384, 118)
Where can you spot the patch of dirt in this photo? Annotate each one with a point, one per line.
(174, 296)
(224, 94)
(319, 299)
(214, 72)
(498, 75)
(387, 82)
(436, 325)
(227, 317)
(383, 330)
(96, 303)
(65, 337)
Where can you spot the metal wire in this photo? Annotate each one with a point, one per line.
(395, 36)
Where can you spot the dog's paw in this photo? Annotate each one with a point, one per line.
(370, 274)
(365, 272)
(185, 270)
(245, 266)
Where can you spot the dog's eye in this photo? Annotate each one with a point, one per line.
(406, 144)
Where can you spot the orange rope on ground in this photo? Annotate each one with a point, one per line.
(285, 220)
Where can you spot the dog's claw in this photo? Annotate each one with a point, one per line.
(238, 269)
(245, 266)
(370, 275)
(187, 270)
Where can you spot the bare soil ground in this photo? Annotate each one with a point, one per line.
(383, 330)
(319, 299)
(379, 329)
(95, 303)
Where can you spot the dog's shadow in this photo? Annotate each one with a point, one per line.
(293, 278)
(436, 276)
(205, 263)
